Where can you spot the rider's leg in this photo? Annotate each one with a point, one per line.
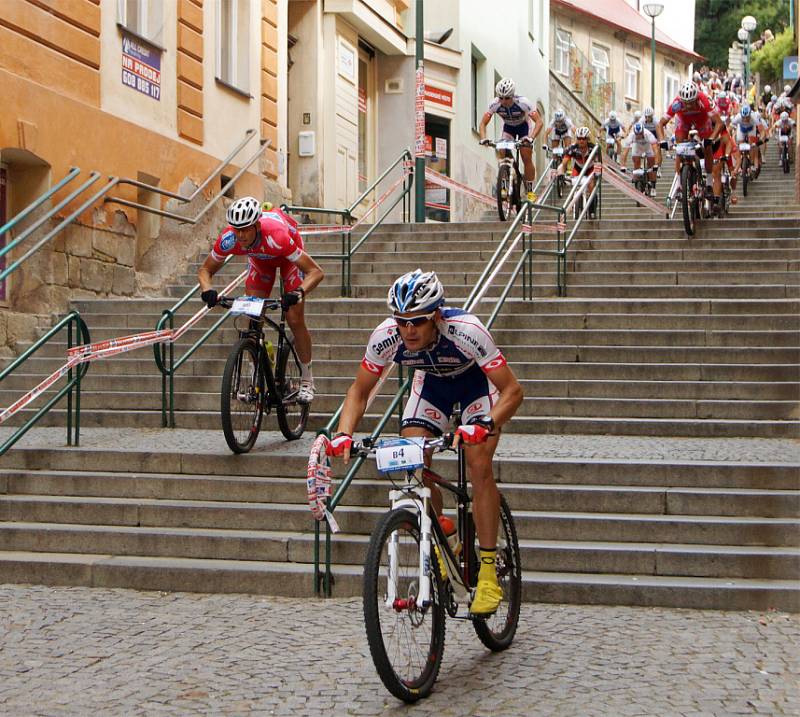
(709, 170)
(436, 494)
(296, 319)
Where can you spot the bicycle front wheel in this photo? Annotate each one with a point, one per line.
(745, 174)
(242, 397)
(688, 199)
(504, 198)
(406, 639)
(292, 416)
(497, 631)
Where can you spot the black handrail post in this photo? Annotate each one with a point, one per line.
(316, 558)
(348, 286)
(328, 575)
(78, 377)
(171, 374)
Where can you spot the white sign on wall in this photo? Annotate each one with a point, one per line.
(347, 61)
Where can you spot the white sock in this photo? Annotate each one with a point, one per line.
(305, 372)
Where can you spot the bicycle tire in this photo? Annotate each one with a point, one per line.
(497, 631)
(785, 160)
(503, 192)
(745, 174)
(292, 416)
(240, 431)
(403, 626)
(687, 199)
(560, 186)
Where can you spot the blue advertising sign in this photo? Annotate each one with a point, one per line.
(141, 67)
(790, 67)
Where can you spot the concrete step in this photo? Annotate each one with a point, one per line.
(290, 579)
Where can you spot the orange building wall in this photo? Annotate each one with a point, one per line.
(269, 83)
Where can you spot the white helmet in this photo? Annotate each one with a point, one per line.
(784, 115)
(558, 116)
(721, 95)
(582, 132)
(415, 291)
(637, 116)
(696, 77)
(689, 92)
(767, 89)
(787, 89)
(243, 212)
(612, 115)
(505, 89)
(648, 112)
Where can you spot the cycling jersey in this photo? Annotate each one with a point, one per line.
(464, 350)
(699, 116)
(513, 116)
(463, 342)
(278, 244)
(578, 157)
(643, 145)
(785, 126)
(650, 127)
(612, 127)
(723, 105)
(562, 129)
(745, 126)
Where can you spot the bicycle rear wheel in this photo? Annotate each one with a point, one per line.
(504, 198)
(242, 396)
(497, 631)
(785, 160)
(292, 416)
(406, 640)
(745, 174)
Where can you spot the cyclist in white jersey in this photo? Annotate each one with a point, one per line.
(561, 131)
(749, 128)
(521, 121)
(615, 130)
(644, 144)
(783, 126)
(649, 122)
(455, 360)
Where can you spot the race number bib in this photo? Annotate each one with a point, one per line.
(248, 305)
(399, 454)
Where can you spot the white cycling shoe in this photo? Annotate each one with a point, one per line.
(305, 393)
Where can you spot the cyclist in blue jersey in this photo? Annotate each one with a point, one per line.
(520, 121)
(455, 360)
(615, 131)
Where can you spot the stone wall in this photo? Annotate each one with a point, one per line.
(562, 97)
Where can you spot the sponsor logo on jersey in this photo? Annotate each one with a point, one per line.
(387, 343)
(495, 363)
(372, 367)
(464, 336)
(272, 243)
(228, 240)
(433, 413)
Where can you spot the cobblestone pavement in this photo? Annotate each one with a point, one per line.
(79, 651)
(578, 447)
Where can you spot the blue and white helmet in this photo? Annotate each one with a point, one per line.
(638, 128)
(415, 291)
(746, 110)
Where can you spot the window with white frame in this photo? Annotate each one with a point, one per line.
(672, 83)
(563, 43)
(633, 73)
(233, 45)
(144, 18)
(600, 63)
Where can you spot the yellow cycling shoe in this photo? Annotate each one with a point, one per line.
(487, 598)
(531, 197)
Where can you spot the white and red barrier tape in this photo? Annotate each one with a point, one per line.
(318, 481)
(621, 181)
(86, 353)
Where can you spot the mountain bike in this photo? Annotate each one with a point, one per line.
(414, 577)
(555, 155)
(692, 183)
(746, 166)
(510, 183)
(257, 378)
(611, 148)
(784, 152)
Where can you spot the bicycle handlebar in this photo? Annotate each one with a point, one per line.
(227, 302)
(366, 447)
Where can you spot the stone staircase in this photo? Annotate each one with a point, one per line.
(659, 336)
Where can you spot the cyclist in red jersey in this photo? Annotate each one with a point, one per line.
(693, 108)
(270, 241)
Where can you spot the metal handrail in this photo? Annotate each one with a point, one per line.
(180, 217)
(168, 367)
(11, 223)
(322, 582)
(348, 249)
(73, 381)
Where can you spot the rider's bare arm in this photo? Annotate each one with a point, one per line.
(312, 272)
(487, 117)
(510, 394)
(355, 403)
(538, 124)
(205, 273)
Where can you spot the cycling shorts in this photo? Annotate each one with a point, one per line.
(750, 136)
(433, 397)
(517, 131)
(719, 153)
(682, 129)
(261, 279)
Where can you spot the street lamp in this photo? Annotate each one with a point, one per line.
(653, 10)
(749, 24)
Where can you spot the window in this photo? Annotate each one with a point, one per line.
(672, 83)
(563, 43)
(473, 80)
(233, 43)
(143, 18)
(600, 63)
(633, 71)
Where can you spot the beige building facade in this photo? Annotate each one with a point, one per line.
(603, 52)
(155, 90)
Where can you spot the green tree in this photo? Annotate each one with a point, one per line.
(717, 22)
(768, 61)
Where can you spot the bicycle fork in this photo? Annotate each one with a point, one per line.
(416, 502)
